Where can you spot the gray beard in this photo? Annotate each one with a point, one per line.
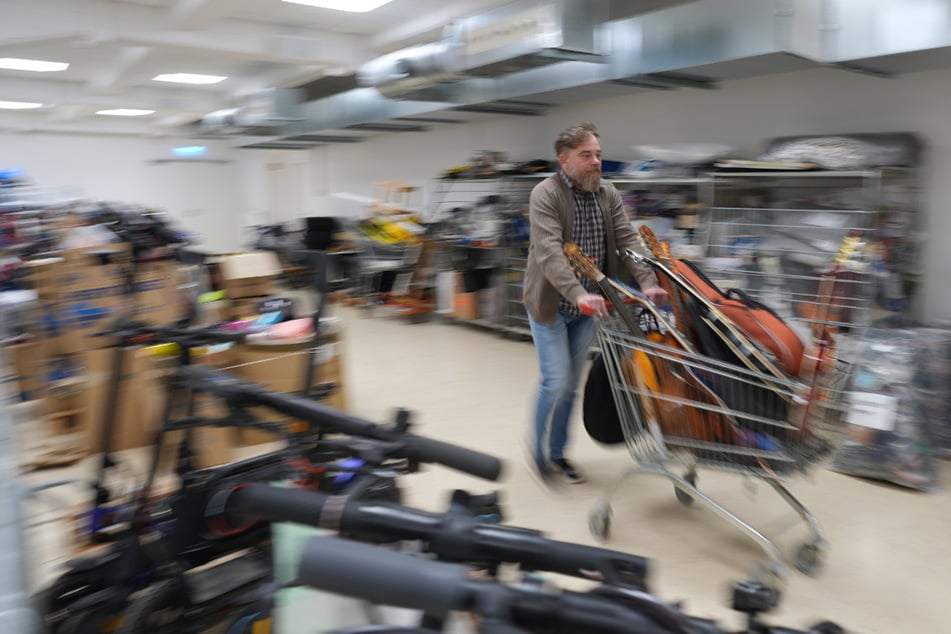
(590, 182)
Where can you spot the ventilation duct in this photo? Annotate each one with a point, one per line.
(523, 36)
(511, 39)
(265, 110)
(403, 73)
(698, 44)
(887, 36)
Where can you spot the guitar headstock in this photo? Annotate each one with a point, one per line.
(653, 244)
(665, 251)
(581, 263)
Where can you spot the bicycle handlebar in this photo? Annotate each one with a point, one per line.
(452, 537)
(381, 576)
(388, 577)
(145, 333)
(245, 393)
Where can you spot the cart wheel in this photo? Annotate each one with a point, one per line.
(599, 522)
(809, 558)
(682, 496)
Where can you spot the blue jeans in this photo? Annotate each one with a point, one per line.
(562, 349)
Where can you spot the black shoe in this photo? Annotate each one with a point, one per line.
(539, 469)
(567, 471)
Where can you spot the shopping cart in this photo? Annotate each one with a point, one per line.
(678, 407)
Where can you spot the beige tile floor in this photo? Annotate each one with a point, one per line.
(889, 564)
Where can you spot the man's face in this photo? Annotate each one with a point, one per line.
(583, 164)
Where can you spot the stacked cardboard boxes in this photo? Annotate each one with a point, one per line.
(247, 279)
(142, 400)
(82, 292)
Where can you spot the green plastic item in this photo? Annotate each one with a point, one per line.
(213, 296)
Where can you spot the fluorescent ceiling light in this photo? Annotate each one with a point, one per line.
(189, 150)
(125, 112)
(19, 105)
(353, 6)
(189, 78)
(35, 65)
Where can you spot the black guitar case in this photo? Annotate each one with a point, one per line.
(599, 411)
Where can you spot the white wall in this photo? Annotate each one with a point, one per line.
(742, 113)
(410, 157)
(200, 197)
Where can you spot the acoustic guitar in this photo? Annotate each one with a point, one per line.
(683, 406)
(749, 354)
(822, 357)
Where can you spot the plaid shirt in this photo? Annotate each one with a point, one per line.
(587, 233)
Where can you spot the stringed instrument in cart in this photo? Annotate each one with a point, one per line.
(682, 405)
(821, 358)
(734, 339)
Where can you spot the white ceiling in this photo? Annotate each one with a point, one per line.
(115, 47)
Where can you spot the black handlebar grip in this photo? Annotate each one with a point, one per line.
(223, 336)
(600, 564)
(275, 504)
(453, 456)
(383, 576)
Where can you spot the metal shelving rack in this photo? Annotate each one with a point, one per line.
(674, 207)
(774, 234)
(466, 215)
(515, 319)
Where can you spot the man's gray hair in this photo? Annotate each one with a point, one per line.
(574, 136)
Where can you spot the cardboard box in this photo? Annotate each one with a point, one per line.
(86, 297)
(281, 367)
(464, 305)
(28, 365)
(157, 296)
(249, 274)
(82, 292)
(136, 415)
(63, 407)
(43, 275)
(142, 403)
(211, 446)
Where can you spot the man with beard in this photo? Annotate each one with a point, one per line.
(573, 205)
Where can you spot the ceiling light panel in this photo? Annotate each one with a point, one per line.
(125, 112)
(19, 105)
(352, 6)
(33, 65)
(190, 78)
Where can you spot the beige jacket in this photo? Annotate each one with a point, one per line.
(548, 275)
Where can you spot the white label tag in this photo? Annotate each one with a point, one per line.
(877, 411)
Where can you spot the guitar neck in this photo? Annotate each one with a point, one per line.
(724, 326)
(580, 262)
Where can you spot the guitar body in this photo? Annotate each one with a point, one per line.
(678, 400)
(758, 323)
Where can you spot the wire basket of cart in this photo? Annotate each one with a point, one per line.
(680, 407)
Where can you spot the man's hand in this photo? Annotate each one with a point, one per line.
(593, 304)
(657, 295)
